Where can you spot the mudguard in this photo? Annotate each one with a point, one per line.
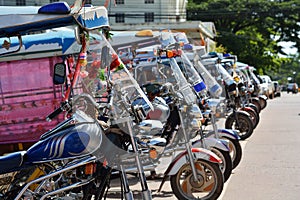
(181, 159)
(254, 99)
(229, 133)
(263, 97)
(211, 142)
(247, 108)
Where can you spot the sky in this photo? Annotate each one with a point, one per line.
(287, 47)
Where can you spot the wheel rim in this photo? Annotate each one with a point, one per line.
(243, 126)
(193, 190)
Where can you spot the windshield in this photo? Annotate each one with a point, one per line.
(190, 73)
(103, 66)
(105, 78)
(165, 71)
(214, 88)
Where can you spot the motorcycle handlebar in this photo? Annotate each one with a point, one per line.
(59, 110)
(65, 106)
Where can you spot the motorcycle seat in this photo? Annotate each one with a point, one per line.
(11, 161)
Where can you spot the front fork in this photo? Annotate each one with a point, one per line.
(146, 193)
(188, 147)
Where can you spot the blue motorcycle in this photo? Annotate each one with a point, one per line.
(76, 158)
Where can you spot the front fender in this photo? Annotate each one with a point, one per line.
(229, 133)
(181, 159)
(211, 142)
(247, 108)
(262, 96)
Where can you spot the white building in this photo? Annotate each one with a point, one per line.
(144, 11)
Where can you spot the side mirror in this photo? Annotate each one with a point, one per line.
(59, 75)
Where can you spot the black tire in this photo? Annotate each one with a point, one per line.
(263, 103)
(245, 126)
(254, 117)
(257, 105)
(235, 150)
(226, 165)
(209, 188)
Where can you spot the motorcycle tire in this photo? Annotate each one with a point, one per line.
(245, 124)
(226, 165)
(235, 151)
(209, 187)
(254, 107)
(263, 103)
(254, 117)
(256, 102)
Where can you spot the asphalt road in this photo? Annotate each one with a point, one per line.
(270, 169)
(270, 166)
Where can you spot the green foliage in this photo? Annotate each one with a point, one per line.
(251, 29)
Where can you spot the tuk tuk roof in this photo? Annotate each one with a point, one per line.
(88, 18)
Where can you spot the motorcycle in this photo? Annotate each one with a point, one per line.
(171, 84)
(75, 159)
(262, 99)
(209, 99)
(236, 119)
(242, 100)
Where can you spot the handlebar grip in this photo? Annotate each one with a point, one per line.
(54, 113)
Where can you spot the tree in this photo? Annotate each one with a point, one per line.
(251, 29)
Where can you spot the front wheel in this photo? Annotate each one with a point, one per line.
(263, 103)
(235, 151)
(226, 165)
(208, 187)
(256, 103)
(254, 116)
(241, 122)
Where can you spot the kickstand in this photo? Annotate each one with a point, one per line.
(162, 183)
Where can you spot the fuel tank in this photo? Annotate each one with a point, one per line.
(75, 140)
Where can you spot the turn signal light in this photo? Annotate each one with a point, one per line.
(153, 154)
(90, 168)
(173, 53)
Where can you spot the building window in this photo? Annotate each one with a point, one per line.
(149, 17)
(120, 1)
(20, 2)
(120, 18)
(149, 1)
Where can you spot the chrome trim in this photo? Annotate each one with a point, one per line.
(83, 162)
(75, 185)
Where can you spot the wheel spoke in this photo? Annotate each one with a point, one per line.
(187, 187)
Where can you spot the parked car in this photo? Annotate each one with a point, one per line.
(277, 87)
(267, 86)
(292, 87)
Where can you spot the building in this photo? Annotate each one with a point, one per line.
(145, 11)
(126, 11)
(144, 14)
